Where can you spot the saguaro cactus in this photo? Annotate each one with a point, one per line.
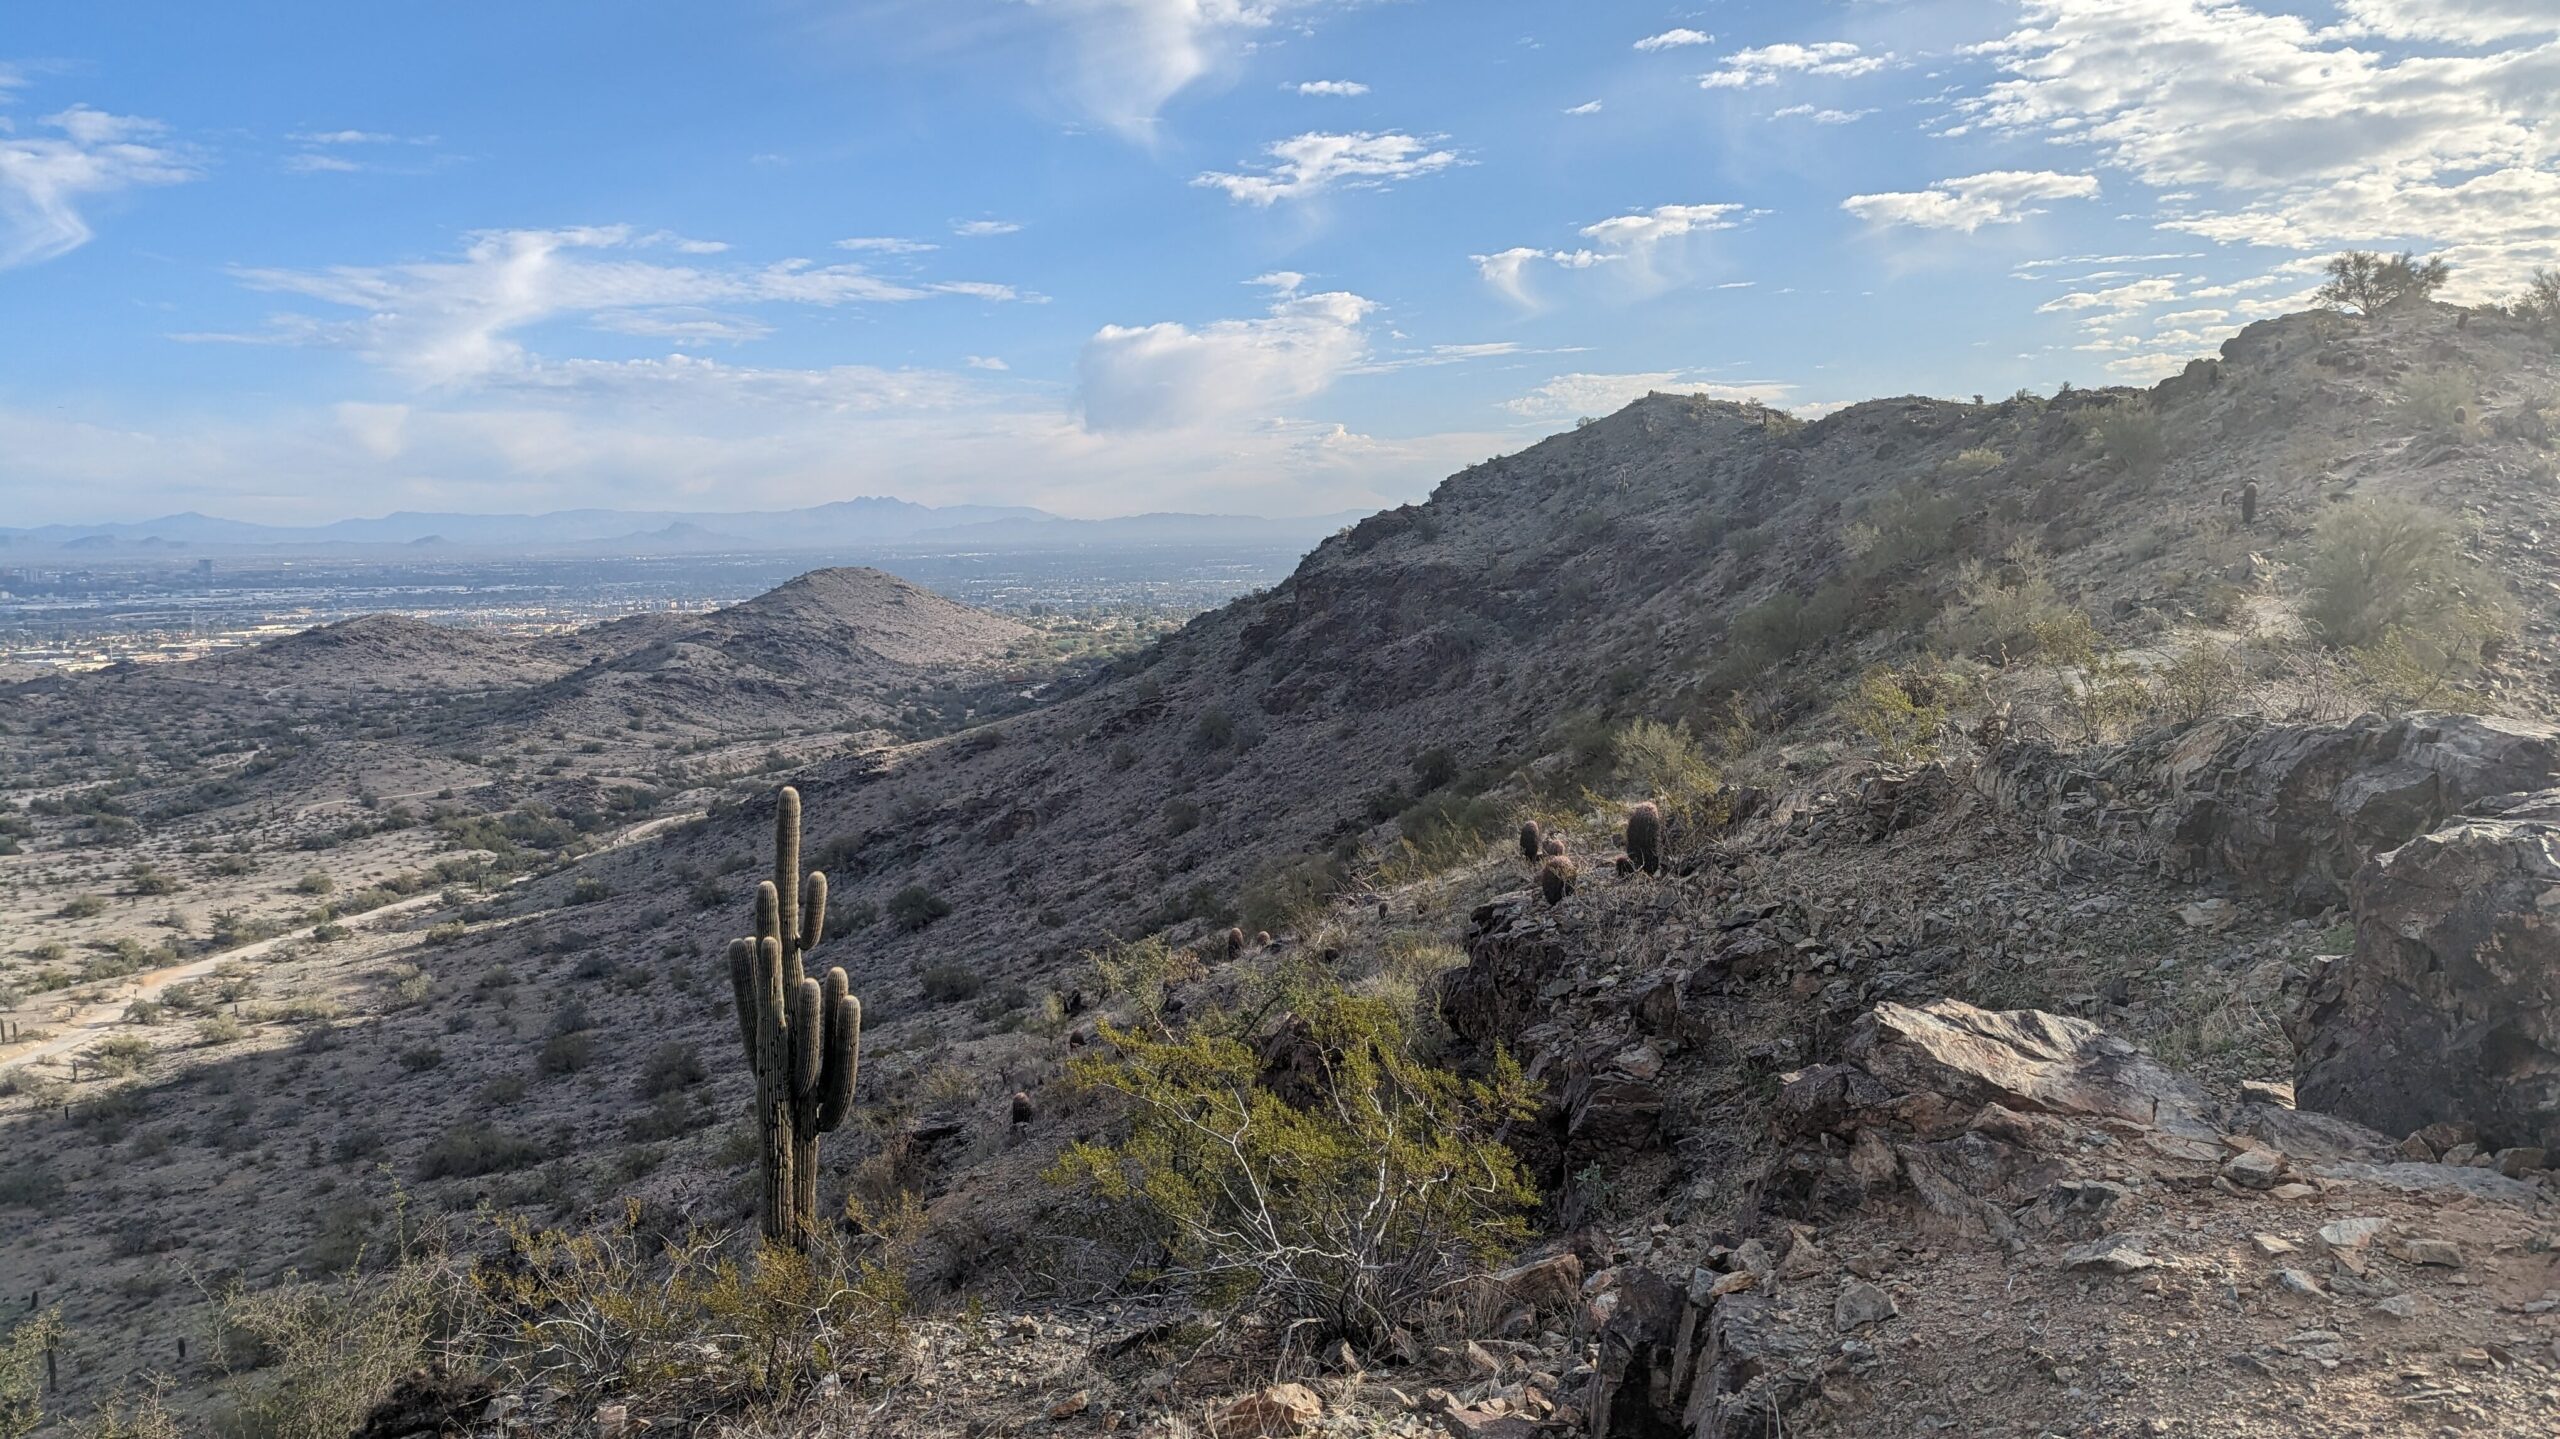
(803, 1036)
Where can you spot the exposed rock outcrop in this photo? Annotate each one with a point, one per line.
(2449, 1008)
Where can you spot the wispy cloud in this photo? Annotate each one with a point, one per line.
(1575, 395)
(76, 155)
(1344, 88)
(1996, 197)
(1675, 39)
(1766, 64)
(1634, 238)
(452, 323)
(1819, 116)
(977, 229)
(1309, 164)
(887, 245)
(1587, 107)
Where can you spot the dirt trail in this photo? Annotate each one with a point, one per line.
(93, 1021)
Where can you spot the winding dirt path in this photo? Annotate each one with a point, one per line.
(93, 1022)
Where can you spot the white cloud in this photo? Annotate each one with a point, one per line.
(1587, 107)
(2470, 22)
(886, 245)
(315, 163)
(682, 325)
(979, 229)
(1639, 235)
(357, 137)
(1675, 39)
(451, 323)
(1967, 203)
(1312, 163)
(2119, 298)
(1636, 239)
(2293, 137)
(987, 362)
(1820, 117)
(1576, 395)
(45, 180)
(1766, 64)
(1121, 60)
(1172, 376)
(1344, 88)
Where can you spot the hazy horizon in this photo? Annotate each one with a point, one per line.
(1105, 257)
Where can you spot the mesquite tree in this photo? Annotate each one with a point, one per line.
(803, 1036)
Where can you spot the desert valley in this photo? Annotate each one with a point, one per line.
(2016, 916)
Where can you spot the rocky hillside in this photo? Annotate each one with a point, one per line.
(1956, 1027)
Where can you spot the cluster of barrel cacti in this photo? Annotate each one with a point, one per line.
(803, 1036)
(1557, 874)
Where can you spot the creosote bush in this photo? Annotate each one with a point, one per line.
(1902, 726)
(1355, 1208)
(2385, 568)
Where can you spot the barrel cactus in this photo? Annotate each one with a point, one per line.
(1644, 837)
(803, 1036)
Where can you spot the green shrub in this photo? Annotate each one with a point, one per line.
(2387, 566)
(475, 1147)
(1357, 1208)
(1902, 728)
(565, 1054)
(915, 906)
(950, 983)
(22, 1373)
(2204, 678)
(1282, 894)
(2013, 613)
(314, 883)
(1908, 525)
(2441, 403)
(2366, 282)
(86, 906)
(2131, 436)
(1663, 763)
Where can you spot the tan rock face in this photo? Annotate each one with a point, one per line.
(2028, 1061)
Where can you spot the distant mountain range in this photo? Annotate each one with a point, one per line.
(869, 522)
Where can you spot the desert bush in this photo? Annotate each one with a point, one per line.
(142, 879)
(141, 1413)
(950, 983)
(2386, 566)
(1980, 460)
(2204, 678)
(2366, 282)
(1283, 894)
(1906, 526)
(2130, 435)
(2107, 699)
(2539, 301)
(1663, 762)
(2442, 403)
(217, 1030)
(1143, 973)
(85, 906)
(672, 1066)
(118, 1056)
(324, 1353)
(2012, 613)
(475, 1147)
(565, 1054)
(22, 1373)
(1903, 728)
(1181, 817)
(688, 1319)
(314, 883)
(1356, 1209)
(915, 906)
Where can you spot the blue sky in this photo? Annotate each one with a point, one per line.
(301, 261)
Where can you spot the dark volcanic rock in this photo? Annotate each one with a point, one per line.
(2449, 1009)
(2293, 810)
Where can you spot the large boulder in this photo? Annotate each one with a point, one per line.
(2295, 810)
(2026, 1061)
(2449, 1008)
